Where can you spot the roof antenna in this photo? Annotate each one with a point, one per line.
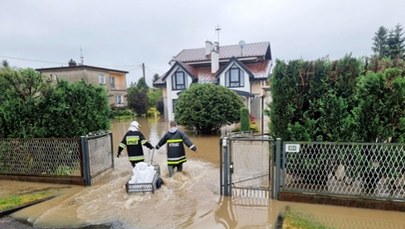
(217, 29)
(81, 56)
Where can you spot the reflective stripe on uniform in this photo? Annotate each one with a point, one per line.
(144, 141)
(132, 140)
(137, 158)
(175, 158)
(174, 140)
(122, 145)
(176, 162)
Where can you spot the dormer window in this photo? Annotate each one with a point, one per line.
(234, 77)
(179, 80)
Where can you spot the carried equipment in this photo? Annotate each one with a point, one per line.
(145, 178)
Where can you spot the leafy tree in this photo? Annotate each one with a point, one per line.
(312, 100)
(380, 112)
(82, 106)
(154, 95)
(207, 107)
(22, 90)
(160, 106)
(380, 65)
(34, 108)
(244, 119)
(380, 42)
(286, 100)
(137, 97)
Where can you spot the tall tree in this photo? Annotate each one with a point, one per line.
(5, 64)
(142, 84)
(155, 77)
(396, 42)
(380, 42)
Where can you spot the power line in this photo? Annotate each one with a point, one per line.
(132, 69)
(149, 70)
(152, 69)
(32, 60)
(128, 65)
(136, 66)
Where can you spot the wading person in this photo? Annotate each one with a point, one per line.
(176, 154)
(133, 142)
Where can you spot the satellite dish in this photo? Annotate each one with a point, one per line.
(242, 44)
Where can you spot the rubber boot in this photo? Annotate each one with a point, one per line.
(171, 170)
(179, 167)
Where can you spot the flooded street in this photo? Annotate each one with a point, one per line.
(187, 200)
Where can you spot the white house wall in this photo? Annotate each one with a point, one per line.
(173, 94)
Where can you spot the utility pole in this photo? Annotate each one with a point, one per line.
(143, 70)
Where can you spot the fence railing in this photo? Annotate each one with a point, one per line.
(367, 170)
(58, 160)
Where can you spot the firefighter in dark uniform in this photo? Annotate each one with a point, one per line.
(133, 141)
(176, 154)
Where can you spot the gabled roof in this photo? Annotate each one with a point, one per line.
(260, 49)
(255, 59)
(232, 61)
(79, 67)
(189, 70)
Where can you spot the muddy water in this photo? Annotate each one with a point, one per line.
(188, 200)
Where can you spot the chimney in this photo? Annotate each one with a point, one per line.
(208, 48)
(72, 63)
(215, 58)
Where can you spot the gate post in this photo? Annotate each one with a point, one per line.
(85, 160)
(226, 180)
(278, 168)
(221, 167)
(112, 150)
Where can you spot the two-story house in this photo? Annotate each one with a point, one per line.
(113, 80)
(243, 68)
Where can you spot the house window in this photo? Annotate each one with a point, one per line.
(53, 77)
(119, 99)
(234, 77)
(112, 82)
(174, 101)
(179, 81)
(101, 79)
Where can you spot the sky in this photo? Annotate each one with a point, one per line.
(123, 34)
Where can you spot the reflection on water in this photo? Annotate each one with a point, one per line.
(187, 200)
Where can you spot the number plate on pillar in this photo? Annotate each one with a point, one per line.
(292, 148)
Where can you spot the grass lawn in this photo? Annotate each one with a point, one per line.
(297, 220)
(14, 201)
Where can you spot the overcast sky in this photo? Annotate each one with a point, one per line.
(123, 34)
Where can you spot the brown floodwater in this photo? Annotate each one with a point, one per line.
(187, 200)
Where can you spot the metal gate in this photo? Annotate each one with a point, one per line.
(246, 165)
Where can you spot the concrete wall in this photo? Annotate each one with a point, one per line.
(91, 76)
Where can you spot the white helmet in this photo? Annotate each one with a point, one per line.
(134, 126)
